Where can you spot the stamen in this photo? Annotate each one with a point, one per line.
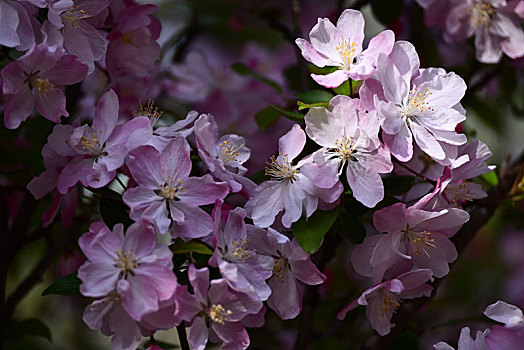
(278, 268)
(42, 85)
(127, 38)
(170, 189)
(74, 15)
(419, 241)
(346, 51)
(416, 103)
(149, 110)
(229, 152)
(239, 250)
(218, 314)
(390, 304)
(480, 14)
(281, 170)
(90, 144)
(458, 193)
(126, 261)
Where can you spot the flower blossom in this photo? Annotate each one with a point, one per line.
(466, 342)
(166, 194)
(289, 263)
(349, 136)
(214, 311)
(383, 299)
(18, 18)
(32, 80)
(509, 336)
(341, 46)
(421, 104)
(414, 237)
(289, 190)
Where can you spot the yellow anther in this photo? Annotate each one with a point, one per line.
(229, 152)
(170, 189)
(125, 261)
(74, 15)
(390, 304)
(149, 111)
(416, 103)
(218, 314)
(346, 50)
(480, 14)
(42, 85)
(281, 170)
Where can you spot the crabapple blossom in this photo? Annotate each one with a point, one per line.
(19, 22)
(348, 136)
(241, 266)
(421, 104)
(509, 336)
(214, 311)
(383, 299)
(414, 237)
(289, 190)
(166, 194)
(32, 80)
(494, 24)
(290, 263)
(341, 46)
(100, 149)
(466, 342)
(223, 157)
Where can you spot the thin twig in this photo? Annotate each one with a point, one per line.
(182, 337)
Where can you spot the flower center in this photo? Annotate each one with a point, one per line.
(281, 170)
(390, 304)
(346, 51)
(480, 14)
(149, 110)
(42, 85)
(74, 15)
(416, 103)
(229, 152)
(279, 268)
(459, 193)
(127, 38)
(238, 252)
(125, 261)
(90, 144)
(419, 241)
(218, 314)
(171, 188)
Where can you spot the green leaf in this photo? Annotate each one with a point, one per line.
(302, 105)
(315, 96)
(397, 185)
(343, 89)
(266, 117)
(112, 209)
(310, 232)
(386, 11)
(67, 285)
(349, 227)
(294, 116)
(258, 177)
(32, 327)
(491, 178)
(242, 69)
(192, 246)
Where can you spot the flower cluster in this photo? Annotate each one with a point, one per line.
(186, 185)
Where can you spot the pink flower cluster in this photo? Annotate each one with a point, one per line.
(187, 183)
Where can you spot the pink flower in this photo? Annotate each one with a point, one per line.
(289, 190)
(166, 194)
(32, 79)
(290, 263)
(422, 104)
(74, 19)
(99, 150)
(349, 136)
(241, 266)
(133, 265)
(341, 46)
(466, 342)
(214, 311)
(511, 336)
(19, 22)
(494, 24)
(383, 299)
(223, 157)
(414, 237)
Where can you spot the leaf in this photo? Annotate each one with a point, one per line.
(242, 69)
(491, 178)
(310, 232)
(192, 246)
(258, 177)
(315, 96)
(302, 105)
(266, 117)
(386, 11)
(112, 209)
(32, 327)
(294, 116)
(67, 285)
(397, 185)
(343, 89)
(349, 227)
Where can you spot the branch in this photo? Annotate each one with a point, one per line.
(182, 337)
(479, 216)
